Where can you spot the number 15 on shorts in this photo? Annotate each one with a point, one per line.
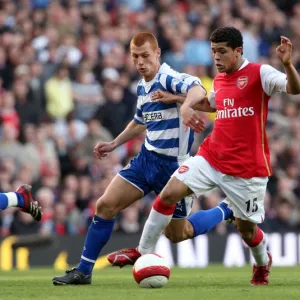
(251, 206)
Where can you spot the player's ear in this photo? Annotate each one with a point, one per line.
(158, 51)
(239, 50)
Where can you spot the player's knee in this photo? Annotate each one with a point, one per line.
(106, 208)
(169, 194)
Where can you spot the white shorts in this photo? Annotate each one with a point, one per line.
(245, 196)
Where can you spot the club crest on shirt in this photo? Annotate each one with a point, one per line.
(242, 82)
(183, 169)
(127, 167)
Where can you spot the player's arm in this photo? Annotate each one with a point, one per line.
(274, 81)
(177, 89)
(192, 118)
(167, 97)
(132, 130)
(204, 105)
(284, 53)
(293, 80)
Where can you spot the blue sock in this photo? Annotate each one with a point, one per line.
(227, 211)
(20, 200)
(8, 200)
(3, 201)
(97, 236)
(204, 220)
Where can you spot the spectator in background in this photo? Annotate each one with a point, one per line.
(129, 222)
(23, 224)
(69, 51)
(96, 132)
(28, 111)
(74, 221)
(283, 221)
(59, 98)
(87, 94)
(10, 146)
(46, 199)
(84, 192)
(197, 49)
(113, 114)
(46, 151)
(60, 222)
(2, 90)
(8, 112)
(4, 68)
(36, 88)
(175, 56)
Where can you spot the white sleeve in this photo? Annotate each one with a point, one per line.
(272, 80)
(212, 98)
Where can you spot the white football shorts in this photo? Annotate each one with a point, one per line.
(245, 196)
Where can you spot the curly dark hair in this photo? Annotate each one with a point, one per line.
(230, 35)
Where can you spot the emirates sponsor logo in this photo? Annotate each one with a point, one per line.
(230, 111)
(242, 82)
(235, 112)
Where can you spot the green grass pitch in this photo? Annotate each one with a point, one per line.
(214, 282)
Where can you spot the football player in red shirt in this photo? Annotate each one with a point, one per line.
(235, 157)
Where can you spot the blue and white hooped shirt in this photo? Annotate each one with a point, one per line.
(165, 131)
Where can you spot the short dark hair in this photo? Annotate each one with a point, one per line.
(232, 36)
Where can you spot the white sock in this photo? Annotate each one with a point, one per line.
(12, 199)
(260, 253)
(154, 226)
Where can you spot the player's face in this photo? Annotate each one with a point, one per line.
(146, 60)
(226, 59)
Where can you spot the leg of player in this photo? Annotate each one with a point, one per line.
(118, 195)
(254, 237)
(198, 223)
(21, 198)
(178, 230)
(202, 178)
(161, 213)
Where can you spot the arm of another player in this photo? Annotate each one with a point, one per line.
(192, 118)
(284, 53)
(132, 130)
(167, 97)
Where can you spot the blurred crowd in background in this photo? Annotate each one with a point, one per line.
(67, 82)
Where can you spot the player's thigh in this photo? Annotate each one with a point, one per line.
(118, 195)
(179, 230)
(174, 191)
(246, 197)
(197, 174)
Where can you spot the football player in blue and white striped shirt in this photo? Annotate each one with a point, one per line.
(167, 145)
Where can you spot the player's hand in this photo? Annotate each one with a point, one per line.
(284, 50)
(163, 96)
(102, 149)
(192, 119)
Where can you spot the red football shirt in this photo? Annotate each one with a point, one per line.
(238, 144)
